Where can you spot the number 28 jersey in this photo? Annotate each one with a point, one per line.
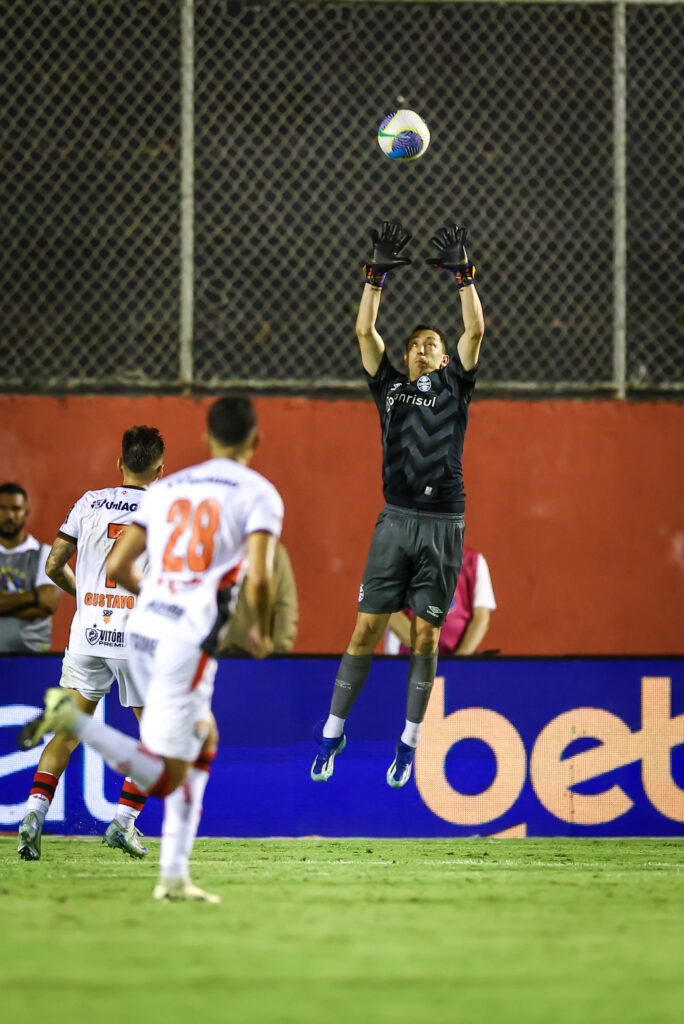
(94, 524)
(197, 523)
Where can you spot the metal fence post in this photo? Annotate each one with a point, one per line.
(620, 197)
(187, 225)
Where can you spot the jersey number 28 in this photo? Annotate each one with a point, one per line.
(191, 544)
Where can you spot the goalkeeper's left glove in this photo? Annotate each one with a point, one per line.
(451, 255)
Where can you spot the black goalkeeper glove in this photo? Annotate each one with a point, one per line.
(386, 248)
(451, 255)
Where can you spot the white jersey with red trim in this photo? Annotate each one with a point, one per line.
(197, 523)
(93, 524)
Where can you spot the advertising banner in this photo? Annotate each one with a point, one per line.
(538, 747)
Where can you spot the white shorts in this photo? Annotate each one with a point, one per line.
(178, 679)
(93, 677)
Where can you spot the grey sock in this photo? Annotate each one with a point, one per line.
(421, 676)
(351, 676)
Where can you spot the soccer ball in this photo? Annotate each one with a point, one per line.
(403, 135)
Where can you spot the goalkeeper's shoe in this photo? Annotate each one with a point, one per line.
(179, 890)
(30, 831)
(125, 839)
(399, 772)
(60, 715)
(323, 766)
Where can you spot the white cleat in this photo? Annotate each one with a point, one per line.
(60, 715)
(178, 890)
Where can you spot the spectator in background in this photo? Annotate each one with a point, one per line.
(237, 638)
(468, 618)
(28, 598)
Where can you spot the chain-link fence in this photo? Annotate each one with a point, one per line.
(187, 189)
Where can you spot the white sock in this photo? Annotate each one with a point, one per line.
(182, 813)
(333, 727)
(411, 733)
(40, 805)
(197, 778)
(121, 752)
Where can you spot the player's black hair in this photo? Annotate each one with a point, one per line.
(141, 447)
(10, 488)
(427, 327)
(231, 419)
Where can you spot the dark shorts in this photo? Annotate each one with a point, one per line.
(413, 562)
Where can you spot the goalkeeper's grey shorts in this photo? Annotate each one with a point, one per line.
(413, 562)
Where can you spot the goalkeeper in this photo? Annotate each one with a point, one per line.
(416, 550)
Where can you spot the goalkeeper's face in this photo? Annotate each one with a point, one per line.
(424, 353)
(13, 514)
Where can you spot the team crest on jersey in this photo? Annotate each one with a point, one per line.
(105, 637)
(424, 383)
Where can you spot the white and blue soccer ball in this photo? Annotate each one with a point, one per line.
(403, 135)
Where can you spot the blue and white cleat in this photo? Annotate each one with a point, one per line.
(125, 839)
(322, 768)
(399, 772)
(30, 831)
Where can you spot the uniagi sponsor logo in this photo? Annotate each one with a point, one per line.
(120, 506)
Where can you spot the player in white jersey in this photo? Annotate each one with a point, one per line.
(197, 526)
(96, 655)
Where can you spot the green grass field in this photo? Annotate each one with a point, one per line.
(374, 931)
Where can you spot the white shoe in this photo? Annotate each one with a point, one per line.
(182, 889)
(60, 715)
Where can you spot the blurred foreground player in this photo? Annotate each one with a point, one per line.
(96, 655)
(197, 526)
(417, 547)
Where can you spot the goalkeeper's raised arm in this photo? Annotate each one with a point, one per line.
(387, 245)
(451, 255)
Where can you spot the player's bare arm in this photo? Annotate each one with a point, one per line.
(387, 245)
(57, 567)
(258, 584)
(123, 556)
(473, 323)
(451, 255)
(371, 344)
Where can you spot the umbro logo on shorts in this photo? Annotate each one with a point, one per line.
(434, 610)
(361, 592)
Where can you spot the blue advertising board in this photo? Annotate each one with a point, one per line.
(538, 747)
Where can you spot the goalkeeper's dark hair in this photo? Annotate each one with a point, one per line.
(10, 488)
(231, 420)
(141, 447)
(427, 327)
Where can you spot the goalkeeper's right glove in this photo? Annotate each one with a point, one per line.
(450, 241)
(386, 248)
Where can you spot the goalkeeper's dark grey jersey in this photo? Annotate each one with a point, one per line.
(423, 426)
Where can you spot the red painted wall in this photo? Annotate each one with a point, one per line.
(578, 506)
